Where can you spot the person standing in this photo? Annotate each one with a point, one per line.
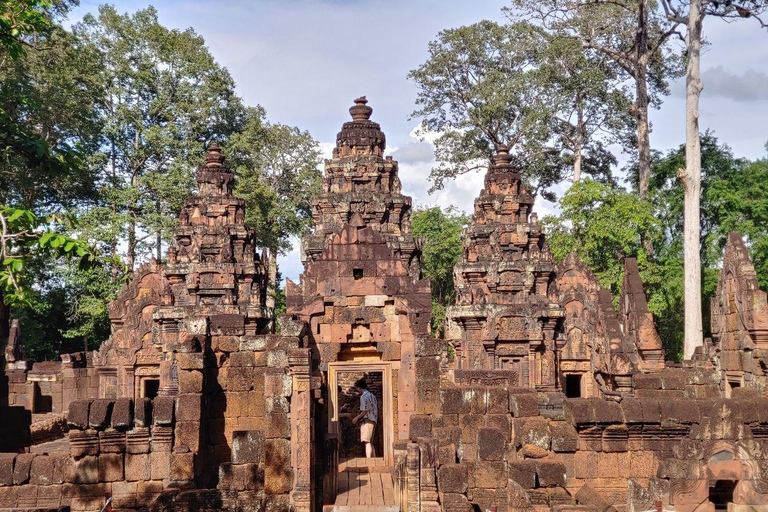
(369, 416)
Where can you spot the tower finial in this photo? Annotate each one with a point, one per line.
(360, 111)
(213, 157)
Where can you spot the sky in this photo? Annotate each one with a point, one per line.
(306, 60)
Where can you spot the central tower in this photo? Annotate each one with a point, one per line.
(362, 294)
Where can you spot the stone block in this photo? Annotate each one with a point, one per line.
(488, 474)
(26, 497)
(647, 381)
(523, 472)
(420, 426)
(111, 467)
(551, 473)
(498, 400)
(62, 466)
(453, 401)
(247, 446)
(163, 409)
(190, 381)
(137, 467)
(278, 384)
(41, 470)
(49, 497)
(100, 413)
(190, 361)
(565, 439)
(187, 435)
(470, 424)
(491, 444)
(22, 467)
(503, 422)
(607, 411)
(122, 414)
(77, 417)
(455, 502)
(579, 411)
(278, 474)
(182, 467)
(428, 396)
(523, 404)
(9, 496)
(453, 478)
(241, 477)
(6, 468)
(277, 425)
(85, 470)
(533, 430)
(147, 491)
(142, 412)
(651, 410)
(160, 465)
(189, 407)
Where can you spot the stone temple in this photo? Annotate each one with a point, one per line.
(543, 396)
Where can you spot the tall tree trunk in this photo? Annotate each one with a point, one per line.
(272, 281)
(577, 163)
(641, 99)
(691, 178)
(130, 257)
(579, 145)
(158, 237)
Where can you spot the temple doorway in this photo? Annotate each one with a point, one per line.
(721, 493)
(361, 480)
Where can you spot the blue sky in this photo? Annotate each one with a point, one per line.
(305, 60)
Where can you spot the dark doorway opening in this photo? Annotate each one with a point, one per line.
(573, 386)
(350, 446)
(151, 388)
(721, 494)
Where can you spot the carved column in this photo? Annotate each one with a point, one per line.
(302, 455)
(413, 463)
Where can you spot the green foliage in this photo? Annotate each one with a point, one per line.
(24, 237)
(603, 224)
(164, 99)
(733, 198)
(48, 122)
(489, 84)
(23, 22)
(440, 233)
(278, 175)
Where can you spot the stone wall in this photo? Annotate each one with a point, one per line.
(669, 449)
(50, 386)
(115, 447)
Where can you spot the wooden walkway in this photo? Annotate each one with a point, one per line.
(366, 483)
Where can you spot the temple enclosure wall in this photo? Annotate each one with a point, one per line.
(542, 397)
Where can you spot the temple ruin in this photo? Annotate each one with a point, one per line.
(544, 394)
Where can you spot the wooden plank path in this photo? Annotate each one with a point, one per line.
(365, 485)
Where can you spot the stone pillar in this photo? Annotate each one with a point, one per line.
(413, 463)
(302, 452)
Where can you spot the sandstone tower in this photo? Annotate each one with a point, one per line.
(504, 318)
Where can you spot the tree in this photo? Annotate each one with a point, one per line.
(166, 99)
(440, 233)
(22, 21)
(603, 224)
(692, 14)
(588, 104)
(277, 169)
(631, 35)
(490, 84)
(734, 197)
(48, 120)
